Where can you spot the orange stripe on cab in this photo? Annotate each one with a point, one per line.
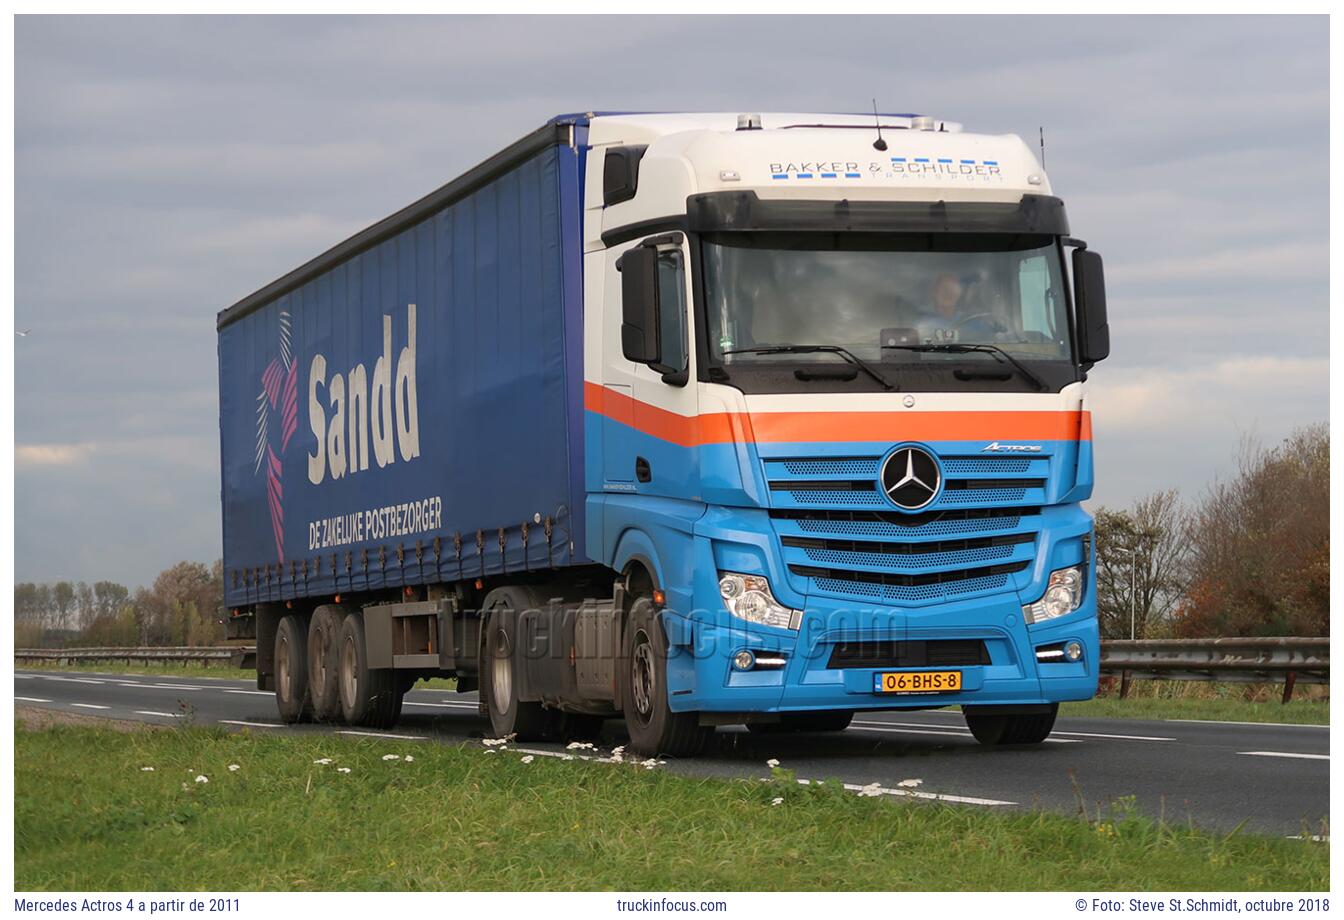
(785, 427)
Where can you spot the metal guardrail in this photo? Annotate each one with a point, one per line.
(204, 655)
(1255, 660)
(1244, 660)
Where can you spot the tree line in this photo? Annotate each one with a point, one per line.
(181, 608)
(1250, 557)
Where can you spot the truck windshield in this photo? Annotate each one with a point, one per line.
(893, 299)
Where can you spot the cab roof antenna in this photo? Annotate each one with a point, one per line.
(1042, 146)
(878, 144)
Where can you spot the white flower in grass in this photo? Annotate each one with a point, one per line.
(326, 760)
(234, 768)
(202, 779)
(872, 790)
(409, 758)
(650, 763)
(146, 769)
(579, 746)
(495, 742)
(910, 783)
(391, 757)
(772, 763)
(777, 801)
(528, 759)
(490, 751)
(342, 769)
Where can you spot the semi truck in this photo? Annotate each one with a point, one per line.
(691, 420)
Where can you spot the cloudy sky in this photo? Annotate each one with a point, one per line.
(166, 167)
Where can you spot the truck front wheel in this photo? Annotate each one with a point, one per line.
(990, 727)
(369, 696)
(654, 728)
(291, 670)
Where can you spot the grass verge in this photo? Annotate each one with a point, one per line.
(89, 817)
(1305, 712)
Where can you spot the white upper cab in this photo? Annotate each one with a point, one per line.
(805, 155)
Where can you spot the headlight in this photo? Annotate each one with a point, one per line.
(748, 597)
(1063, 594)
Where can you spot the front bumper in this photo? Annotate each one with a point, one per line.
(702, 677)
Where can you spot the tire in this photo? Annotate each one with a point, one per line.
(291, 670)
(499, 670)
(996, 729)
(654, 728)
(826, 721)
(368, 696)
(323, 662)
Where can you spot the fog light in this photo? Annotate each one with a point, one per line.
(744, 660)
(1073, 651)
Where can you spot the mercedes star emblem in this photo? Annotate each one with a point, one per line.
(910, 478)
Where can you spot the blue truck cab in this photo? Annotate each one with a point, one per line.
(688, 419)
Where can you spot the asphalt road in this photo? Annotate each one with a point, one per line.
(1275, 778)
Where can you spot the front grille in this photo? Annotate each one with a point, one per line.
(900, 580)
(891, 653)
(838, 529)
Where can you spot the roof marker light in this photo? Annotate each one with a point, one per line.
(750, 122)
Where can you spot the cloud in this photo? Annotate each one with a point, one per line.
(30, 456)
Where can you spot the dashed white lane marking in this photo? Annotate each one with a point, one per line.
(1257, 724)
(76, 680)
(178, 687)
(435, 705)
(166, 715)
(910, 793)
(945, 732)
(1318, 838)
(31, 699)
(1285, 754)
(89, 706)
(23, 676)
(254, 692)
(253, 724)
(1116, 737)
(382, 735)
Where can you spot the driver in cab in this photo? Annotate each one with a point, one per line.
(951, 318)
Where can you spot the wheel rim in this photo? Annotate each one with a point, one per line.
(349, 679)
(641, 676)
(282, 666)
(501, 675)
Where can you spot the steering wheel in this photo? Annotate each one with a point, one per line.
(986, 316)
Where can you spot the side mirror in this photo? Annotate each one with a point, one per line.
(1089, 298)
(639, 305)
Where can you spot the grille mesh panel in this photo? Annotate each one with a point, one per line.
(983, 465)
(838, 466)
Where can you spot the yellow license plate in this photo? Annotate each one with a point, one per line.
(917, 682)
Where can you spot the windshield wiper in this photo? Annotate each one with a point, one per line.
(963, 347)
(810, 349)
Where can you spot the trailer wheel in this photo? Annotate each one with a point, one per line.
(832, 721)
(323, 662)
(526, 721)
(654, 728)
(291, 670)
(997, 728)
(369, 696)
